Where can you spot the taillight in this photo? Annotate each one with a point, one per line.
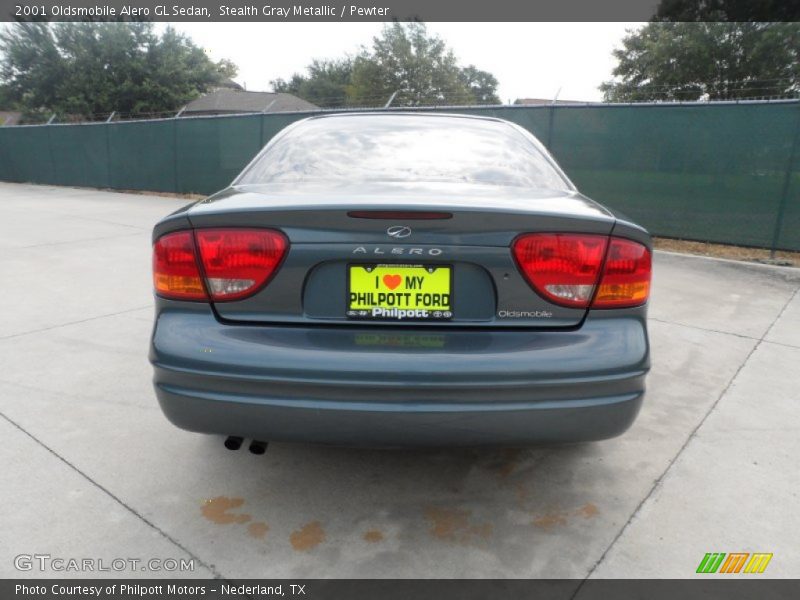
(562, 267)
(626, 275)
(235, 262)
(565, 269)
(175, 271)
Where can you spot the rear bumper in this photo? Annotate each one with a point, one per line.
(355, 386)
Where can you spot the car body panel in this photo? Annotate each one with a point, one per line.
(398, 196)
(397, 388)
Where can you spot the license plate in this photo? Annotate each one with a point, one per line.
(399, 292)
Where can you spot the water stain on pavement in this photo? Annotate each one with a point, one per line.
(553, 519)
(454, 525)
(509, 460)
(258, 529)
(550, 520)
(522, 493)
(309, 536)
(373, 536)
(216, 510)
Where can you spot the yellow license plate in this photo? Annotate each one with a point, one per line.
(399, 292)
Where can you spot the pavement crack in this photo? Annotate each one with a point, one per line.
(107, 222)
(114, 497)
(114, 314)
(61, 393)
(706, 329)
(783, 310)
(659, 481)
(81, 240)
(782, 344)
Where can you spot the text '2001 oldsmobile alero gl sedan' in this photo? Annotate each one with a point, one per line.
(396, 279)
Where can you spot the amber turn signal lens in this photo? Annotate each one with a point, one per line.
(626, 276)
(175, 271)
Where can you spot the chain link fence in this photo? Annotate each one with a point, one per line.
(725, 172)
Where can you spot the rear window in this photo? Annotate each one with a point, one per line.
(397, 148)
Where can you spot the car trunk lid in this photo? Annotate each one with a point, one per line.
(339, 234)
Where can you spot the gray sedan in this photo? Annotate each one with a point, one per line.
(394, 279)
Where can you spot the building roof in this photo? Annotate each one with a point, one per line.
(540, 101)
(226, 101)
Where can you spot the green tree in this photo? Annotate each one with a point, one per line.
(85, 69)
(408, 60)
(405, 58)
(481, 84)
(327, 83)
(713, 60)
(727, 10)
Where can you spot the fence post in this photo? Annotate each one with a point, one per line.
(787, 184)
(175, 154)
(107, 128)
(50, 153)
(550, 119)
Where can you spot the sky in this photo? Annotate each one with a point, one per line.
(530, 60)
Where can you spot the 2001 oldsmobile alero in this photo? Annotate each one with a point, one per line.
(393, 279)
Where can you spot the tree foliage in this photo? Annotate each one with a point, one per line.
(482, 85)
(706, 60)
(405, 58)
(84, 69)
(326, 84)
(727, 10)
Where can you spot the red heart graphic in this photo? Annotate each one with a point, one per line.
(391, 281)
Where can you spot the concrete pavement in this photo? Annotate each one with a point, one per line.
(93, 470)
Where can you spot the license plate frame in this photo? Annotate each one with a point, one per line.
(420, 313)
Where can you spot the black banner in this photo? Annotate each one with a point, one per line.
(388, 10)
(715, 587)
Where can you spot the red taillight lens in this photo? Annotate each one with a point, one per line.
(562, 267)
(175, 271)
(626, 276)
(238, 262)
(565, 269)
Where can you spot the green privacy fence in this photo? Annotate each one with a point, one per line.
(719, 172)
